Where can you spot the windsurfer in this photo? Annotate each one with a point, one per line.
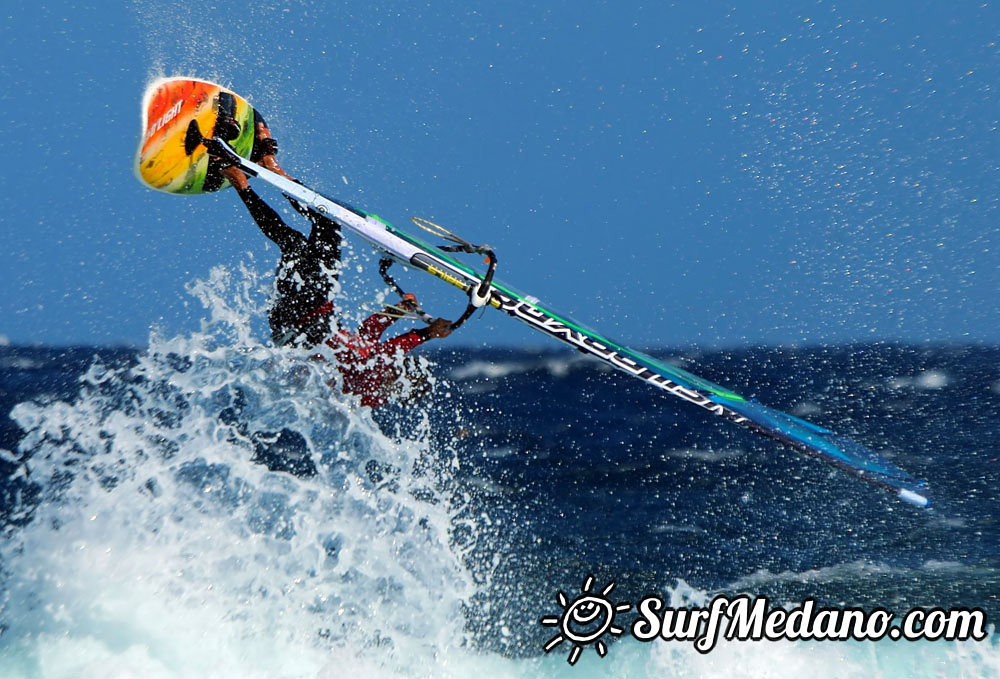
(307, 279)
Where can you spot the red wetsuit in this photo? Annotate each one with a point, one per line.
(368, 365)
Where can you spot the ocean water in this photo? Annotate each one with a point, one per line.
(203, 505)
(208, 506)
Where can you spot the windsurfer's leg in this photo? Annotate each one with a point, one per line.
(265, 147)
(326, 233)
(236, 177)
(226, 127)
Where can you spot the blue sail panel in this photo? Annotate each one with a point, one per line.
(839, 451)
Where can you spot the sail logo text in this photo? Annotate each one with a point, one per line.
(556, 328)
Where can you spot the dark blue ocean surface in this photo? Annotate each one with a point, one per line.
(584, 471)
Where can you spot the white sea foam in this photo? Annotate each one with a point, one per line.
(704, 455)
(843, 571)
(160, 549)
(807, 409)
(555, 366)
(20, 363)
(679, 529)
(826, 660)
(927, 379)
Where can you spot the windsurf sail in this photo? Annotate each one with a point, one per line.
(484, 290)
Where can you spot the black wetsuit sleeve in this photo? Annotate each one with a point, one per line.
(284, 236)
(325, 232)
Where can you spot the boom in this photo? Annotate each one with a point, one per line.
(787, 429)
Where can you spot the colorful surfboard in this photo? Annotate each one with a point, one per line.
(168, 108)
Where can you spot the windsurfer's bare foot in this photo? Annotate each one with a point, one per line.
(268, 148)
(271, 164)
(236, 177)
(226, 128)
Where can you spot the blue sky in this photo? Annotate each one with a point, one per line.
(687, 174)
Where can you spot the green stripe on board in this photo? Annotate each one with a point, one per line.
(641, 358)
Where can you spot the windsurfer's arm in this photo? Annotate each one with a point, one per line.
(284, 236)
(405, 342)
(441, 327)
(376, 324)
(325, 235)
(325, 232)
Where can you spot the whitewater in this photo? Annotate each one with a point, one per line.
(215, 508)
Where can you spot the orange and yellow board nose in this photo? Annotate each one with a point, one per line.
(169, 106)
